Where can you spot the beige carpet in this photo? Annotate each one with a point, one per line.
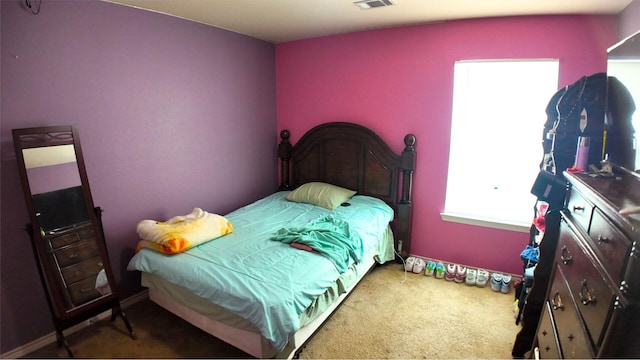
(420, 318)
(385, 317)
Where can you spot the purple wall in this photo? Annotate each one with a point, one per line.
(398, 81)
(172, 115)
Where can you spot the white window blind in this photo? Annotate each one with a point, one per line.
(496, 140)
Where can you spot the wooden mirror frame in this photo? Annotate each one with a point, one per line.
(623, 100)
(65, 313)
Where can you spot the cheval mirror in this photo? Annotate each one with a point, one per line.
(65, 228)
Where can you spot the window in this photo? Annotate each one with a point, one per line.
(498, 117)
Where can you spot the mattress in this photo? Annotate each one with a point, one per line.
(264, 285)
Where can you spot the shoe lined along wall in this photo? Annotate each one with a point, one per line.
(461, 274)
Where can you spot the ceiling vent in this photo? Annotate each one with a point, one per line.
(371, 4)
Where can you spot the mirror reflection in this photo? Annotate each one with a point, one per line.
(55, 183)
(623, 63)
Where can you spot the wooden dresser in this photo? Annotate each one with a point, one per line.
(76, 257)
(592, 303)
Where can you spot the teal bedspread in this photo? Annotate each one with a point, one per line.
(268, 282)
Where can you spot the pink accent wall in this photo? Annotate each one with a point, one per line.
(399, 80)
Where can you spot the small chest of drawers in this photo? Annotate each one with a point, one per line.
(592, 308)
(75, 254)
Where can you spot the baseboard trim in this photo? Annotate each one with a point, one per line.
(34, 345)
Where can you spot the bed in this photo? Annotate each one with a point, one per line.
(260, 287)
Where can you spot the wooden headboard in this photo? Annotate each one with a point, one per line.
(354, 157)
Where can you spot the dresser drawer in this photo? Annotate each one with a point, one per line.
(580, 209)
(547, 336)
(82, 270)
(71, 236)
(613, 246)
(83, 291)
(630, 286)
(76, 253)
(589, 289)
(573, 339)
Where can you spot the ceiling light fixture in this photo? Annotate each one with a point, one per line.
(371, 4)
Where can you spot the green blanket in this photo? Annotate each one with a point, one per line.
(328, 236)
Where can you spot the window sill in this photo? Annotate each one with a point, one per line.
(485, 222)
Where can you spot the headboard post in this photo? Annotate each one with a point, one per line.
(408, 162)
(405, 211)
(284, 153)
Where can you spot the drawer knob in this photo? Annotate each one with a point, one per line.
(566, 256)
(586, 296)
(603, 239)
(556, 301)
(624, 287)
(578, 208)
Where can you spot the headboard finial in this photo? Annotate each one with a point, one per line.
(284, 135)
(410, 142)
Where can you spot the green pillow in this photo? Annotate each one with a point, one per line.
(321, 194)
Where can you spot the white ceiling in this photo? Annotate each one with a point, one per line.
(279, 21)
